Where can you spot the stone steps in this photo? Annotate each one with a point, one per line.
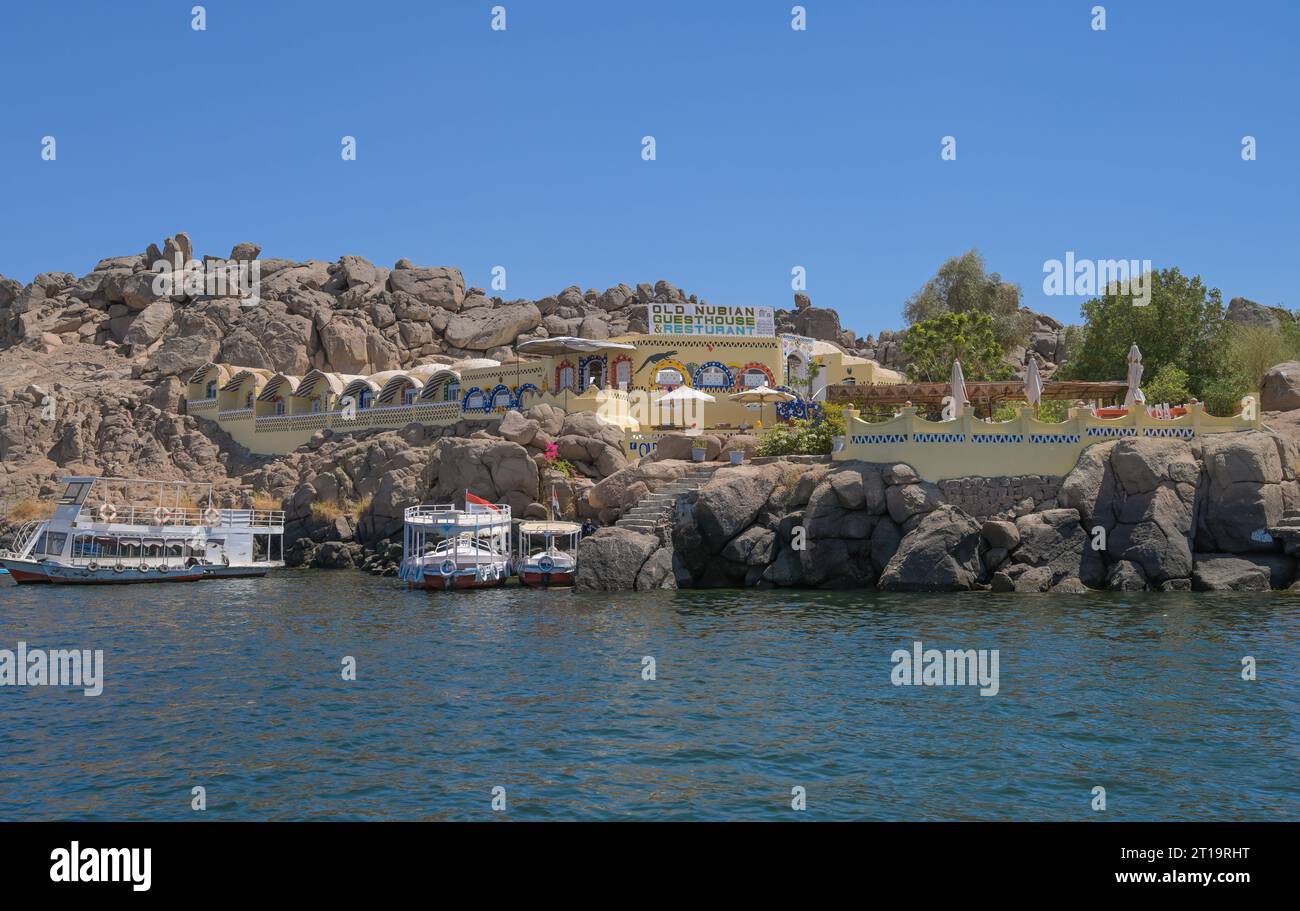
(657, 506)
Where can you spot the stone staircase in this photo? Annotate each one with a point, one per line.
(657, 506)
(1287, 532)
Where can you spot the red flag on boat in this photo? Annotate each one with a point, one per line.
(555, 503)
(472, 501)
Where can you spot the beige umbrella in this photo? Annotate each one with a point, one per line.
(958, 388)
(1033, 383)
(1134, 394)
(686, 394)
(761, 395)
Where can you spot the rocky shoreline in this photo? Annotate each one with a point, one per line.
(91, 382)
(1133, 515)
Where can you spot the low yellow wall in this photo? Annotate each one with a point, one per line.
(966, 447)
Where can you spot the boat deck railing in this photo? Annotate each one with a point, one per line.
(159, 516)
(449, 514)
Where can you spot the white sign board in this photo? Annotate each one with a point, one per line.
(706, 319)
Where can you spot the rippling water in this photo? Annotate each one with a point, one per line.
(236, 686)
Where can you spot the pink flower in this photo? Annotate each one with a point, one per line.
(552, 452)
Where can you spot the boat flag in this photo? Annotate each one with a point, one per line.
(472, 501)
(555, 503)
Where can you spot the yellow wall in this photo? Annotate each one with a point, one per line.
(966, 447)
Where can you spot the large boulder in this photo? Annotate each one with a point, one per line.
(1053, 540)
(1243, 492)
(1281, 387)
(494, 469)
(1215, 573)
(942, 553)
(1246, 312)
(730, 501)
(149, 324)
(437, 285)
(484, 328)
(612, 558)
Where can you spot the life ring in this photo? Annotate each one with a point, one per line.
(107, 512)
(162, 515)
(546, 564)
(448, 567)
(118, 568)
(212, 516)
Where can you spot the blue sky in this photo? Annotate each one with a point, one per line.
(775, 148)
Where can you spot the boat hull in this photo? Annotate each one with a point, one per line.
(26, 572)
(537, 579)
(236, 572)
(58, 574)
(456, 582)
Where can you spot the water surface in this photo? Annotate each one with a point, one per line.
(237, 686)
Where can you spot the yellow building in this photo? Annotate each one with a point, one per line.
(716, 350)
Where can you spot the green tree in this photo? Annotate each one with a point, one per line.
(962, 285)
(1182, 326)
(1169, 385)
(933, 344)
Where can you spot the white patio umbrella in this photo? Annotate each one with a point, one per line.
(958, 384)
(567, 344)
(1134, 377)
(685, 394)
(761, 395)
(1033, 382)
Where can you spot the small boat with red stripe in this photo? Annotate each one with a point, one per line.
(548, 553)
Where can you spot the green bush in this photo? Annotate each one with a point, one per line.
(814, 436)
(1223, 397)
(1052, 412)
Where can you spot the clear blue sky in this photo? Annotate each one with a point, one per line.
(775, 147)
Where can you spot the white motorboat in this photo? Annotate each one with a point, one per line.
(449, 548)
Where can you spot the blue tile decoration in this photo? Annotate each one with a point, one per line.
(1112, 431)
(875, 439)
(997, 437)
(1054, 438)
(941, 438)
(1182, 433)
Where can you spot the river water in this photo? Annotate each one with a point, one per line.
(237, 686)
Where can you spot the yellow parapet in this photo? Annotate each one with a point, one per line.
(967, 447)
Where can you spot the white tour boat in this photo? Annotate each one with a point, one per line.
(548, 553)
(103, 532)
(444, 547)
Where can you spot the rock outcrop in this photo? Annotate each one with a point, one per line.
(1133, 515)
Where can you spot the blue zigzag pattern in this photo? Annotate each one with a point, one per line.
(1184, 433)
(1053, 438)
(1112, 431)
(998, 437)
(877, 438)
(941, 438)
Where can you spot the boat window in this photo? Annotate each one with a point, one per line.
(74, 493)
(54, 542)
